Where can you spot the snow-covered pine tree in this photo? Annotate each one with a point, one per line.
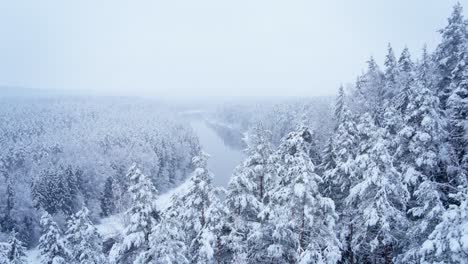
(390, 75)
(339, 105)
(338, 179)
(448, 243)
(345, 141)
(4, 248)
(425, 70)
(328, 157)
(246, 192)
(107, 198)
(405, 81)
(16, 253)
(83, 240)
(447, 54)
(166, 243)
(377, 198)
(422, 156)
(142, 216)
(7, 221)
(300, 219)
(370, 91)
(457, 112)
(202, 213)
(51, 245)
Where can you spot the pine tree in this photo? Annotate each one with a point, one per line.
(447, 54)
(377, 198)
(405, 80)
(426, 70)
(84, 241)
(16, 250)
(142, 215)
(107, 198)
(338, 179)
(339, 105)
(4, 248)
(8, 223)
(296, 205)
(345, 138)
(448, 243)
(202, 212)
(246, 191)
(421, 155)
(370, 92)
(51, 245)
(167, 244)
(390, 74)
(457, 112)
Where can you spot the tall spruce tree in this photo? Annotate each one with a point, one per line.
(300, 220)
(246, 191)
(143, 215)
(83, 240)
(167, 243)
(16, 253)
(107, 198)
(377, 198)
(202, 212)
(51, 244)
(447, 54)
(448, 243)
(390, 74)
(457, 112)
(422, 158)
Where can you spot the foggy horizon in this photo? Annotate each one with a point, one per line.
(206, 49)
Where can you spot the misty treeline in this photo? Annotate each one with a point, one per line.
(384, 182)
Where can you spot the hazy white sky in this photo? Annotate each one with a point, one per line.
(206, 47)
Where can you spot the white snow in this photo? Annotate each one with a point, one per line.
(32, 256)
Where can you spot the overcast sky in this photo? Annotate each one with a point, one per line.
(207, 47)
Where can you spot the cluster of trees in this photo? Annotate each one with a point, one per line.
(57, 154)
(231, 120)
(390, 185)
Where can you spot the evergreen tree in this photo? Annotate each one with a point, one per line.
(448, 243)
(202, 212)
(142, 216)
(421, 155)
(8, 223)
(338, 179)
(406, 78)
(390, 74)
(107, 198)
(426, 71)
(16, 250)
(246, 191)
(167, 244)
(339, 105)
(299, 217)
(84, 241)
(345, 138)
(51, 245)
(377, 198)
(4, 248)
(447, 54)
(457, 112)
(370, 92)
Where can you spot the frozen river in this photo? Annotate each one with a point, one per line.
(223, 158)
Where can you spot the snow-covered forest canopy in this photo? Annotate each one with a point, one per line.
(378, 174)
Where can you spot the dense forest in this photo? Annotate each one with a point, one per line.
(381, 176)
